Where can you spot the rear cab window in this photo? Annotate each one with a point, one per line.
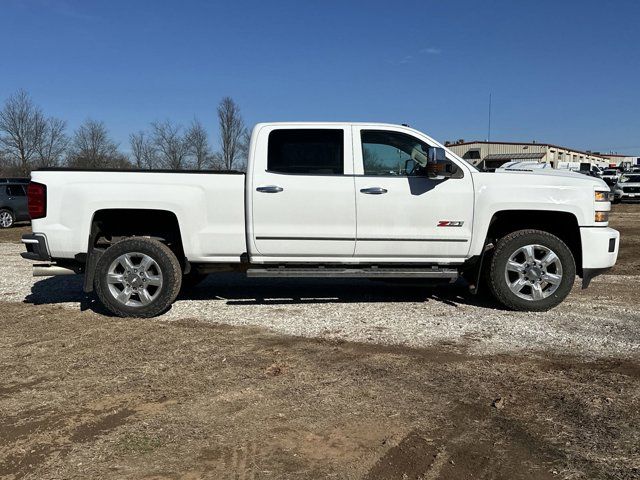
(306, 151)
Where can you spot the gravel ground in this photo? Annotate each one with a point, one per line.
(601, 321)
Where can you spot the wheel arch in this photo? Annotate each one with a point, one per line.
(563, 225)
(113, 224)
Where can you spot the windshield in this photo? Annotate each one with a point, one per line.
(630, 178)
(610, 172)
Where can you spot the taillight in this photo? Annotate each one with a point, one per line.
(37, 200)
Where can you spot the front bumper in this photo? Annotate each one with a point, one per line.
(627, 197)
(599, 251)
(37, 248)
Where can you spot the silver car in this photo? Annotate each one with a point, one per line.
(627, 189)
(13, 202)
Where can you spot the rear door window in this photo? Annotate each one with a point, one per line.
(306, 151)
(15, 191)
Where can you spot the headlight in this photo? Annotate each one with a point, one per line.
(602, 217)
(602, 196)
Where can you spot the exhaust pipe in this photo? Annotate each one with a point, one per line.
(50, 270)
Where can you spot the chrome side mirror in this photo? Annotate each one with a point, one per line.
(436, 154)
(436, 163)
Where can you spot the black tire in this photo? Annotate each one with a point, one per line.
(191, 280)
(506, 247)
(7, 218)
(167, 263)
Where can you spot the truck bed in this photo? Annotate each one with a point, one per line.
(209, 206)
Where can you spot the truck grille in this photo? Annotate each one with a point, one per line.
(631, 189)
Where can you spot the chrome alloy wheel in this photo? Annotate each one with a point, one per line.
(134, 279)
(533, 272)
(6, 220)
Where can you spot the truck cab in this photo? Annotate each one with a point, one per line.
(355, 193)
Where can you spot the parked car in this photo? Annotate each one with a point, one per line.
(13, 202)
(323, 200)
(590, 173)
(627, 189)
(610, 176)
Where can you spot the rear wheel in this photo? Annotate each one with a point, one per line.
(531, 270)
(7, 219)
(138, 277)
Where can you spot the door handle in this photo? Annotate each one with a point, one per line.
(270, 189)
(373, 190)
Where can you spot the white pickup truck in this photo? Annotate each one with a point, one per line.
(323, 200)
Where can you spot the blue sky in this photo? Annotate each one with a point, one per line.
(564, 72)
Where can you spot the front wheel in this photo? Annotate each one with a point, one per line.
(531, 270)
(138, 277)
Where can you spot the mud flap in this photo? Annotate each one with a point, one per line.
(589, 274)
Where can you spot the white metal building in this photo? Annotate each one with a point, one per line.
(491, 155)
(621, 160)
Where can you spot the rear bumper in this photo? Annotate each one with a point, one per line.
(599, 251)
(37, 248)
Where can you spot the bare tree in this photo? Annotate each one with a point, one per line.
(143, 150)
(21, 123)
(91, 148)
(245, 141)
(137, 142)
(171, 145)
(198, 145)
(232, 131)
(6, 166)
(52, 143)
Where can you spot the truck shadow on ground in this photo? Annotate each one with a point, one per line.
(236, 289)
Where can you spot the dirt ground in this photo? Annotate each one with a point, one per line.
(626, 218)
(84, 395)
(14, 234)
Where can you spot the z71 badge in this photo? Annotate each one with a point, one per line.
(449, 223)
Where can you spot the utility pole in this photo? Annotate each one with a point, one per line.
(489, 131)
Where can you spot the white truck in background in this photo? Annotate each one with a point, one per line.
(323, 200)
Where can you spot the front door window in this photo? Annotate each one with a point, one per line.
(392, 153)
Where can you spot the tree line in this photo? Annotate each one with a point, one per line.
(29, 139)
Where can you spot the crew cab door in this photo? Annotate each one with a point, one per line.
(302, 192)
(403, 214)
